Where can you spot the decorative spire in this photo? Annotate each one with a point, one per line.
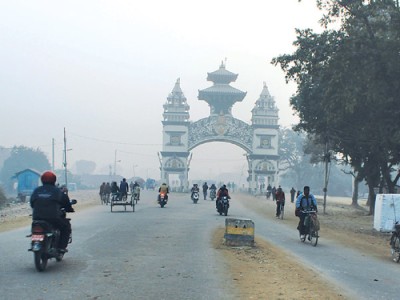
(176, 108)
(265, 111)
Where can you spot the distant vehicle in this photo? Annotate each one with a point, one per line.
(150, 184)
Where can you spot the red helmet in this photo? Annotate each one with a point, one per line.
(48, 177)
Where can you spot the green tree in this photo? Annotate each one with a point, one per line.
(348, 85)
(301, 163)
(22, 158)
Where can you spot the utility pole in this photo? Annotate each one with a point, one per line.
(65, 158)
(52, 154)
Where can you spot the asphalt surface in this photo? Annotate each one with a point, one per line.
(152, 253)
(359, 276)
(166, 253)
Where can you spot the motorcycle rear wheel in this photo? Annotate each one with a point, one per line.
(40, 260)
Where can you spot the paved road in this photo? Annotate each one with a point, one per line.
(166, 253)
(152, 253)
(360, 276)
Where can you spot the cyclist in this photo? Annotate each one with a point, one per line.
(304, 202)
(280, 199)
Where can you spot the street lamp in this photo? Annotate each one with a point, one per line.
(134, 166)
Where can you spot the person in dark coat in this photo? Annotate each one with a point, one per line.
(47, 201)
(292, 194)
(205, 189)
(123, 189)
(273, 193)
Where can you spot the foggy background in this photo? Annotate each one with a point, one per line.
(103, 70)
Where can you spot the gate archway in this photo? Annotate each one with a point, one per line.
(259, 139)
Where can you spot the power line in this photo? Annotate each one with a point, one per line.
(111, 142)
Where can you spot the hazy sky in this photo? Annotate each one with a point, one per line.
(103, 70)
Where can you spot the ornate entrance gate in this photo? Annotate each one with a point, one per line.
(259, 139)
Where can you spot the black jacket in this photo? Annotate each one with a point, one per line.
(123, 187)
(47, 201)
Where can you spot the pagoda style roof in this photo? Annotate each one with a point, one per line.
(221, 96)
(222, 89)
(222, 76)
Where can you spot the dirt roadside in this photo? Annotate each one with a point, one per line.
(265, 271)
(18, 215)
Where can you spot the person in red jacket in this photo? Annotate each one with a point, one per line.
(280, 199)
(223, 191)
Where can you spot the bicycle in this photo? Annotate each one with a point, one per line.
(311, 225)
(281, 209)
(104, 199)
(395, 243)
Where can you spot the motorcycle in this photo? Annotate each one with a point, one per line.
(44, 242)
(213, 194)
(223, 205)
(195, 197)
(162, 199)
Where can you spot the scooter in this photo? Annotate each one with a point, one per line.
(195, 197)
(44, 242)
(213, 194)
(162, 199)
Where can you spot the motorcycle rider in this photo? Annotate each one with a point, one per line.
(123, 188)
(205, 189)
(163, 189)
(223, 191)
(194, 189)
(47, 201)
(213, 189)
(305, 201)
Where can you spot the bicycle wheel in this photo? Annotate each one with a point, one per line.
(313, 235)
(282, 212)
(395, 247)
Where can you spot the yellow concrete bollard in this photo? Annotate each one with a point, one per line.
(239, 232)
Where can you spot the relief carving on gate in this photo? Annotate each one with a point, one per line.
(221, 128)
